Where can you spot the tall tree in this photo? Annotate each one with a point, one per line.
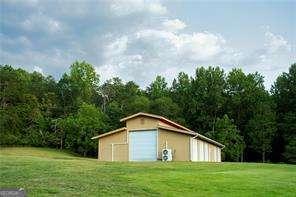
(284, 93)
(28, 102)
(165, 106)
(181, 92)
(207, 98)
(67, 97)
(76, 130)
(161, 102)
(90, 121)
(138, 104)
(227, 134)
(158, 88)
(261, 129)
(244, 96)
(84, 81)
(111, 91)
(242, 91)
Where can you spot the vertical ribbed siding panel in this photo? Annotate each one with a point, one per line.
(219, 154)
(206, 151)
(201, 150)
(194, 149)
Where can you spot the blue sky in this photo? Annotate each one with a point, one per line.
(137, 39)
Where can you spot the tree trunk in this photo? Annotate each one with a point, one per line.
(263, 156)
(61, 143)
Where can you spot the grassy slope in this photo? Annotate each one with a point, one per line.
(46, 172)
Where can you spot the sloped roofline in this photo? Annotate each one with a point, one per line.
(156, 117)
(176, 130)
(192, 133)
(209, 140)
(109, 133)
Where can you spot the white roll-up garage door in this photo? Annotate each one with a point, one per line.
(143, 145)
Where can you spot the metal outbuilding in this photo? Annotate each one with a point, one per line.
(146, 135)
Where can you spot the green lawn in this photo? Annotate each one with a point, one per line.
(47, 172)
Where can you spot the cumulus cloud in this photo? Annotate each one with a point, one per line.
(7, 42)
(116, 47)
(173, 25)
(196, 46)
(157, 8)
(276, 43)
(201, 45)
(273, 58)
(127, 7)
(275, 47)
(38, 69)
(147, 52)
(133, 39)
(41, 22)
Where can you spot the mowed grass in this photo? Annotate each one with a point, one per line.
(48, 172)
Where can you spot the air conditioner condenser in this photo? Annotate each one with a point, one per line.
(167, 154)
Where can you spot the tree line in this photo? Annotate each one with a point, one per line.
(233, 108)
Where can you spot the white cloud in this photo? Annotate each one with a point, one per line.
(276, 43)
(116, 47)
(107, 71)
(273, 58)
(173, 25)
(38, 69)
(117, 65)
(41, 22)
(144, 39)
(50, 60)
(196, 46)
(201, 46)
(158, 37)
(22, 41)
(145, 53)
(156, 8)
(127, 7)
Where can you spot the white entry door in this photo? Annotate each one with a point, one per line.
(143, 145)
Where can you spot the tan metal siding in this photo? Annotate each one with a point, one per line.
(140, 123)
(178, 142)
(166, 125)
(120, 151)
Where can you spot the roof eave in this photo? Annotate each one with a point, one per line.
(177, 130)
(192, 133)
(209, 140)
(109, 133)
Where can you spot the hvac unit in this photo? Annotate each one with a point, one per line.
(167, 155)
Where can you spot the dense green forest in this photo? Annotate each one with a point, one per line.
(233, 108)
